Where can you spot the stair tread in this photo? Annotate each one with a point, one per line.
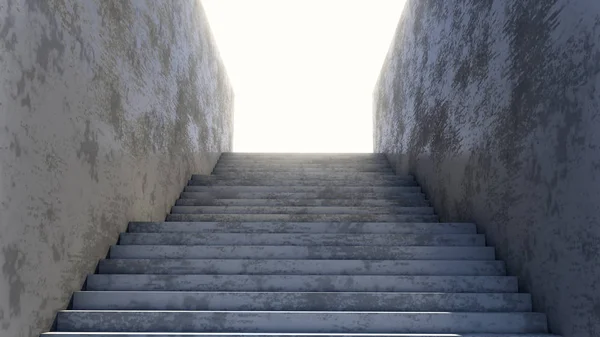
(308, 168)
(300, 175)
(305, 227)
(229, 194)
(300, 252)
(301, 182)
(308, 239)
(301, 209)
(322, 188)
(207, 201)
(304, 217)
(299, 321)
(299, 267)
(297, 176)
(302, 301)
(275, 282)
(209, 334)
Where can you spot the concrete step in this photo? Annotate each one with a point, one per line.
(304, 159)
(293, 166)
(341, 161)
(301, 252)
(299, 321)
(217, 181)
(311, 175)
(311, 283)
(303, 170)
(301, 301)
(253, 155)
(315, 175)
(301, 202)
(302, 227)
(309, 162)
(321, 189)
(389, 196)
(338, 162)
(304, 217)
(301, 267)
(200, 334)
(299, 210)
(301, 239)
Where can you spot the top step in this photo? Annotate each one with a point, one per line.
(303, 155)
(329, 159)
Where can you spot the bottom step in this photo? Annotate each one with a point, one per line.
(142, 334)
(300, 322)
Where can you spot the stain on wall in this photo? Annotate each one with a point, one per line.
(107, 107)
(495, 107)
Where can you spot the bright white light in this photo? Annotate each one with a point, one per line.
(303, 72)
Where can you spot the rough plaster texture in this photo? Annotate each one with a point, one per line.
(107, 109)
(493, 106)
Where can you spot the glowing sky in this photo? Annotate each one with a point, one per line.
(303, 72)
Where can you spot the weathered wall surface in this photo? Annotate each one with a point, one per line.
(495, 107)
(106, 109)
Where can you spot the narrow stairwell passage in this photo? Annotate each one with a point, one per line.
(301, 244)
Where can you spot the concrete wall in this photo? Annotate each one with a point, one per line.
(495, 107)
(106, 109)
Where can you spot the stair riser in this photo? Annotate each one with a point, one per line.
(125, 334)
(282, 170)
(384, 196)
(259, 155)
(298, 210)
(303, 217)
(375, 176)
(302, 227)
(311, 189)
(298, 182)
(303, 166)
(198, 321)
(295, 239)
(301, 301)
(301, 252)
(301, 202)
(302, 267)
(303, 161)
(291, 283)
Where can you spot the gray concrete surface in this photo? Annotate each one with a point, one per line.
(200, 334)
(493, 106)
(315, 283)
(302, 239)
(286, 321)
(274, 251)
(107, 108)
(323, 189)
(295, 182)
(299, 210)
(299, 267)
(301, 202)
(301, 301)
(303, 227)
(257, 269)
(304, 217)
(327, 194)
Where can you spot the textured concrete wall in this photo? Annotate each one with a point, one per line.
(106, 109)
(495, 107)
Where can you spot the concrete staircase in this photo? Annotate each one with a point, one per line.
(298, 245)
